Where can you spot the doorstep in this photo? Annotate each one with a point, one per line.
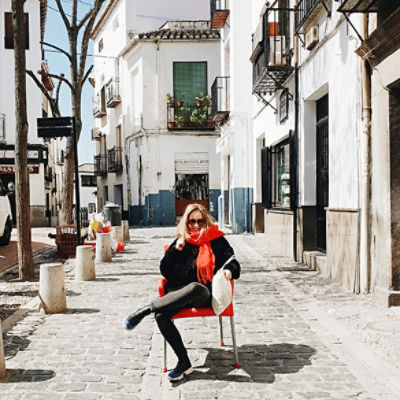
(316, 260)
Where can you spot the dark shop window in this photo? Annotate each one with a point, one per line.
(8, 36)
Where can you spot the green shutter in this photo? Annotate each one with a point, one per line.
(190, 77)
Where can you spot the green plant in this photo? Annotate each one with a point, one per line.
(207, 100)
(199, 96)
(199, 116)
(169, 97)
(181, 96)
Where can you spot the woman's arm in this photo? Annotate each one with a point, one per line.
(177, 266)
(225, 257)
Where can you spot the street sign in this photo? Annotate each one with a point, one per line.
(54, 127)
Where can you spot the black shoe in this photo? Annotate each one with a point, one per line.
(182, 368)
(133, 320)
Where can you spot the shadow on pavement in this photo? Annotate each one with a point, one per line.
(27, 293)
(107, 279)
(13, 344)
(258, 363)
(82, 311)
(27, 375)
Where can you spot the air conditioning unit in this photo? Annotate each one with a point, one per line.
(312, 37)
(96, 134)
(277, 50)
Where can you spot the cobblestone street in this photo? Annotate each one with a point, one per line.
(299, 336)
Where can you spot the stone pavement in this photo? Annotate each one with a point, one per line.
(299, 336)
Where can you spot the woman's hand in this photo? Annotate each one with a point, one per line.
(180, 244)
(228, 274)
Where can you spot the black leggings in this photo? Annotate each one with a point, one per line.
(192, 295)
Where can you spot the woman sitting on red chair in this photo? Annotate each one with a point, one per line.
(189, 265)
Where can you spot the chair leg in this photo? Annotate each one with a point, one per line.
(235, 351)
(221, 331)
(165, 356)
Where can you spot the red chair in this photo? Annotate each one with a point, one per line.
(203, 312)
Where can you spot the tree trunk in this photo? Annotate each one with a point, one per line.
(22, 199)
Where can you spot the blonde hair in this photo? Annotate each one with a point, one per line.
(182, 228)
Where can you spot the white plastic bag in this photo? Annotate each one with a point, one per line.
(221, 292)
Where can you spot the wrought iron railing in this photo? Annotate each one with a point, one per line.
(115, 159)
(271, 55)
(189, 117)
(100, 164)
(220, 97)
(303, 10)
(99, 106)
(112, 93)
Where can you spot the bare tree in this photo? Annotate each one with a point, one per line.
(23, 223)
(79, 33)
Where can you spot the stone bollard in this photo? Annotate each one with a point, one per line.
(84, 265)
(117, 233)
(103, 247)
(125, 231)
(51, 288)
(2, 359)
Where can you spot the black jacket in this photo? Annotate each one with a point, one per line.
(180, 268)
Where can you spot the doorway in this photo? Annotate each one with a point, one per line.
(322, 131)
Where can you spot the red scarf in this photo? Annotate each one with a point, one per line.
(206, 258)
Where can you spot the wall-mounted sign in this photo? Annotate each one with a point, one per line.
(283, 105)
(10, 169)
(54, 127)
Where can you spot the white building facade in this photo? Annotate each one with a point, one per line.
(167, 149)
(232, 101)
(43, 158)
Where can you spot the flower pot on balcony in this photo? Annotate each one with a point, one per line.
(180, 103)
(171, 104)
(208, 103)
(171, 124)
(199, 103)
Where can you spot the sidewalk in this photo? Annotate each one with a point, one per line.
(299, 336)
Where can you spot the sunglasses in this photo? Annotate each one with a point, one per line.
(196, 221)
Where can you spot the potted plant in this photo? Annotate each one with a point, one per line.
(171, 124)
(199, 97)
(171, 100)
(180, 119)
(208, 100)
(181, 97)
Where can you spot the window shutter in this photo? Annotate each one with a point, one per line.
(266, 177)
(191, 78)
(8, 38)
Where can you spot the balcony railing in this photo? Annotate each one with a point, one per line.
(219, 11)
(99, 104)
(100, 165)
(190, 117)
(305, 13)
(115, 159)
(112, 93)
(2, 128)
(271, 55)
(220, 98)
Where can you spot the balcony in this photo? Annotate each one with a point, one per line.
(363, 6)
(271, 55)
(305, 13)
(190, 117)
(99, 104)
(96, 134)
(100, 165)
(219, 11)
(112, 93)
(115, 159)
(60, 157)
(220, 99)
(2, 128)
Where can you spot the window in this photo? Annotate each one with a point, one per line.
(8, 35)
(91, 208)
(190, 78)
(89, 180)
(283, 105)
(276, 182)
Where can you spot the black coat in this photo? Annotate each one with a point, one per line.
(180, 267)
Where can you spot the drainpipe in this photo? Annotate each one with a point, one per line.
(365, 223)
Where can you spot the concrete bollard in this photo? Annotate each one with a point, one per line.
(84, 265)
(2, 359)
(51, 288)
(125, 231)
(103, 247)
(117, 233)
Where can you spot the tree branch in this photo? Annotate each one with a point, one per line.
(58, 48)
(87, 74)
(61, 77)
(53, 103)
(58, 90)
(64, 17)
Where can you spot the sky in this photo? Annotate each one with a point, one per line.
(56, 34)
